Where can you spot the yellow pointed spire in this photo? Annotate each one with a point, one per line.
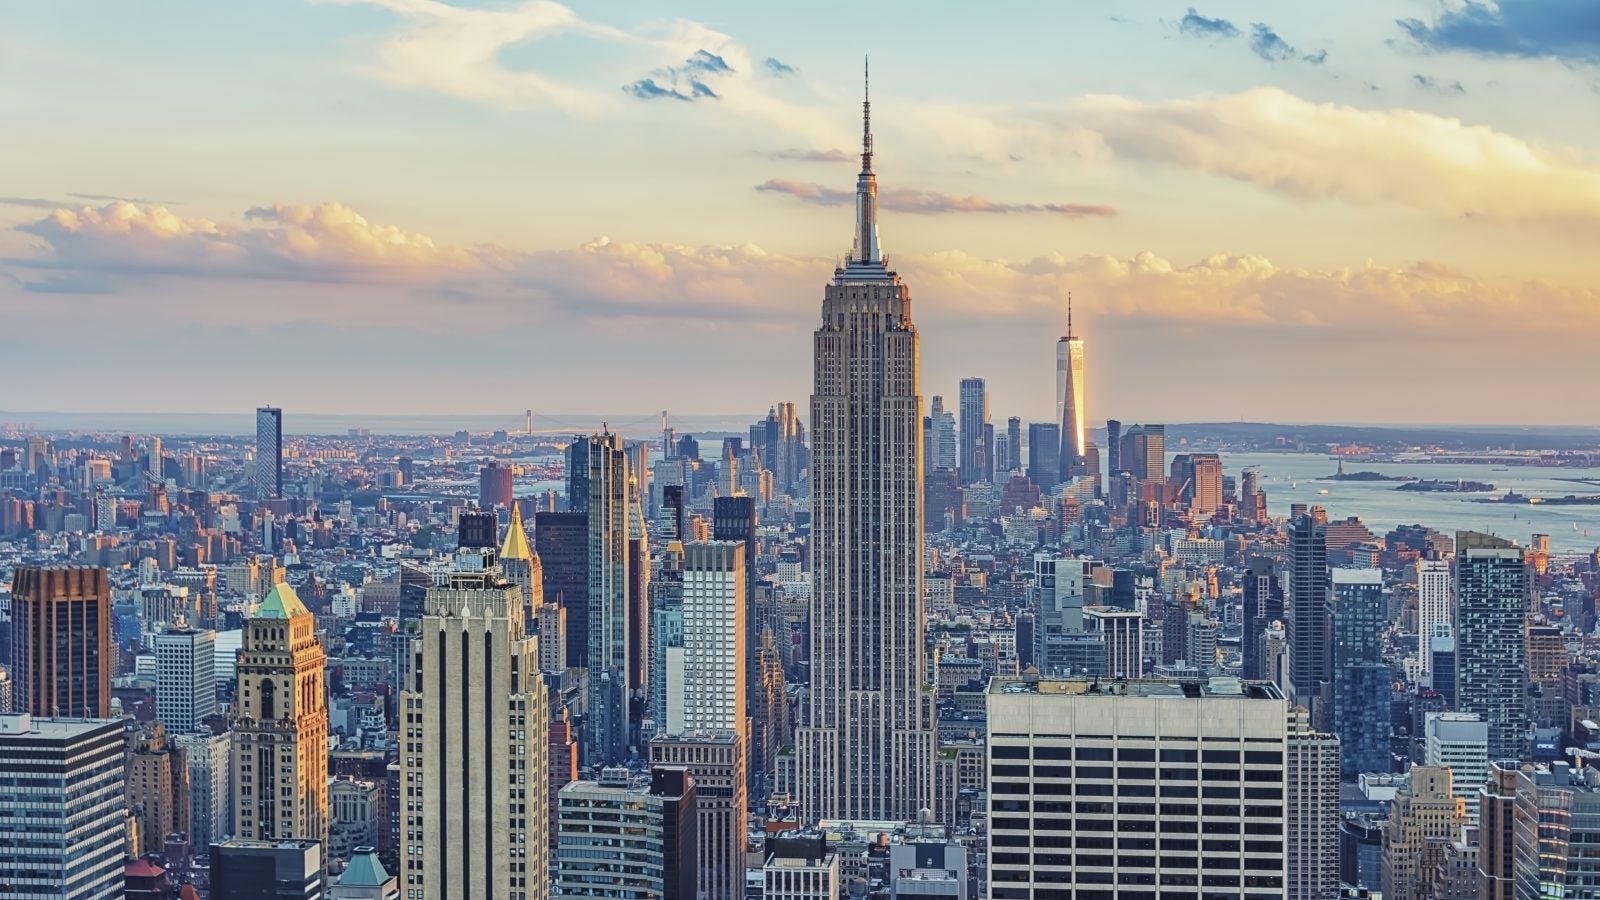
(516, 544)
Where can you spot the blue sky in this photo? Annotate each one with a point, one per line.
(349, 201)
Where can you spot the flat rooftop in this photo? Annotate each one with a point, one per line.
(1221, 687)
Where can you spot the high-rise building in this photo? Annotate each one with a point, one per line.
(61, 641)
(1183, 760)
(1460, 743)
(267, 870)
(577, 468)
(1497, 813)
(562, 539)
(1196, 483)
(210, 760)
(868, 745)
(1143, 453)
(65, 803)
(1313, 832)
(186, 680)
(1013, 459)
(942, 454)
(280, 725)
(1069, 396)
(712, 742)
(474, 745)
(522, 566)
(269, 453)
(734, 519)
(1122, 632)
(1434, 607)
(1306, 613)
(1539, 841)
(628, 841)
(1044, 454)
(1491, 653)
(611, 628)
(157, 788)
(1262, 602)
(1425, 815)
(495, 484)
(975, 464)
(1362, 683)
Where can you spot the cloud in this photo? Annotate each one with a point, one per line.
(460, 52)
(29, 202)
(686, 81)
(1433, 84)
(1196, 25)
(1567, 30)
(779, 67)
(1267, 44)
(816, 156)
(324, 242)
(926, 202)
(1327, 151)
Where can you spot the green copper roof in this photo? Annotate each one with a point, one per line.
(364, 870)
(281, 603)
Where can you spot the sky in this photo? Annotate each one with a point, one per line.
(1375, 211)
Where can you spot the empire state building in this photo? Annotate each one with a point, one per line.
(867, 742)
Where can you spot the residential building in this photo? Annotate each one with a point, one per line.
(628, 841)
(268, 476)
(1313, 808)
(1491, 652)
(1362, 683)
(61, 655)
(1459, 742)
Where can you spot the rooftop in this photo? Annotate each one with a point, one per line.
(1143, 687)
(281, 603)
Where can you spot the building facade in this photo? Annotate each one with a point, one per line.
(1313, 808)
(76, 845)
(1491, 651)
(1362, 682)
(269, 453)
(1122, 789)
(186, 679)
(61, 655)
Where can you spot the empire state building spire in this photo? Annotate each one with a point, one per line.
(866, 245)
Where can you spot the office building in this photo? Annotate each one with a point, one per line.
(577, 469)
(1044, 454)
(1313, 808)
(1197, 771)
(280, 725)
(867, 749)
(734, 519)
(72, 841)
(801, 868)
(975, 464)
(364, 878)
(1262, 604)
(1013, 458)
(61, 655)
(1491, 653)
(269, 453)
(210, 760)
(942, 438)
(628, 841)
(562, 539)
(1497, 850)
(1441, 652)
(186, 680)
(474, 742)
(610, 631)
(1122, 632)
(1459, 742)
(716, 763)
(1425, 815)
(1362, 682)
(1306, 611)
(1143, 453)
(244, 869)
(1069, 400)
(494, 485)
(522, 566)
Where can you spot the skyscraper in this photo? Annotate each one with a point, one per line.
(1044, 454)
(1069, 401)
(186, 681)
(494, 485)
(1459, 742)
(1306, 611)
(867, 748)
(1491, 653)
(563, 543)
(1133, 775)
(61, 641)
(1433, 607)
(626, 840)
(1362, 682)
(611, 631)
(1013, 461)
(974, 464)
(474, 747)
(1424, 814)
(280, 767)
(942, 427)
(1313, 832)
(65, 802)
(269, 453)
(1263, 604)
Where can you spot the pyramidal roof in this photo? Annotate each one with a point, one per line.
(516, 544)
(281, 603)
(364, 870)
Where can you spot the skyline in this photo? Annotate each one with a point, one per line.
(1384, 198)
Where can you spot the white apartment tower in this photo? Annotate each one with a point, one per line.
(1313, 833)
(867, 742)
(1459, 742)
(474, 753)
(1435, 590)
(1109, 789)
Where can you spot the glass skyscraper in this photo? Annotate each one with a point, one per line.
(1362, 682)
(1491, 654)
(269, 453)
